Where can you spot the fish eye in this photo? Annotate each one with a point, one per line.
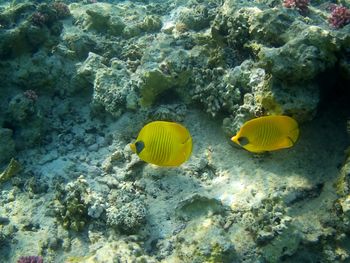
(243, 141)
(139, 145)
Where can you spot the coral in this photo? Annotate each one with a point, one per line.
(7, 145)
(126, 210)
(267, 220)
(12, 168)
(151, 23)
(30, 259)
(339, 17)
(97, 205)
(301, 5)
(22, 108)
(128, 218)
(70, 205)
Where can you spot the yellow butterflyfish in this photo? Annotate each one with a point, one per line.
(268, 133)
(163, 143)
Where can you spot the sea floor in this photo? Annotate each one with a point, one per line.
(218, 177)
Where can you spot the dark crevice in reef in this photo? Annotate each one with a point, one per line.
(335, 94)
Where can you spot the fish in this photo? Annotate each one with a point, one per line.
(163, 143)
(267, 133)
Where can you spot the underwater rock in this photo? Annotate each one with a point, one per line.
(86, 71)
(26, 119)
(168, 112)
(120, 250)
(284, 245)
(196, 18)
(299, 101)
(311, 52)
(198, 206)
(7, 145)
(128, 20)
(154, 83)
(113, 90)
(21, 108)
(103, 21)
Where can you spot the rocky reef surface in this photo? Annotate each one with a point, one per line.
(80, 79)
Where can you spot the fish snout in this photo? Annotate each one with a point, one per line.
(235, 139)
(133, 147)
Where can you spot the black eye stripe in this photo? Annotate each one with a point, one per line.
(139, 145)
(243, 141)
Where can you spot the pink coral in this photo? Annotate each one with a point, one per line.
(301, 5)
(340, 16)
(30, 259)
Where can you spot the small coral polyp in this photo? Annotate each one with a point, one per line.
(340, 16)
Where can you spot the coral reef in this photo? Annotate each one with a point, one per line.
(79, 80)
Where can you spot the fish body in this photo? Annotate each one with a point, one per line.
(163, 143)
(268, 133)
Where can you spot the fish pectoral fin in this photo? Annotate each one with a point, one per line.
(186, 140)
(288, 142)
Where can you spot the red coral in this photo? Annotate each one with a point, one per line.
(301, 5)
(340, 16)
